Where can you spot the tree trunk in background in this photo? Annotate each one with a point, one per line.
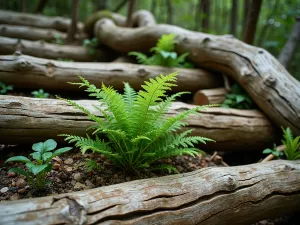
(130, 12)
(266, 26)
(206, 12)
(197, 15)
(153, 7)
(23, 5)
(251, 21)
(41, 6)
(291, 45)
(100, 4)
(233, 17)
(170, 12)
(73, 28)
(217, 20)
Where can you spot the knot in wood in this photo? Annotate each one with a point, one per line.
(23, 65)
(231, 182)
(206, 40)
(142, 72)
(17, 53)
(270, 80)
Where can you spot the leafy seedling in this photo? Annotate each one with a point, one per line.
(92, 165)
(5, 88)
(91, 45)
(133, 131)
(40, 94)
(292, 145)
(274, 151)
(38, 169)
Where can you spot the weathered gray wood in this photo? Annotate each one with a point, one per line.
(51, 51)
(210, 96)
(29, 120)
(267, 82)
(30, 72)
(211, 196)
(33, 20)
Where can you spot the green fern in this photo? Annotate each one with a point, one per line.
(133, 131)
(164, 54)
(292, 145)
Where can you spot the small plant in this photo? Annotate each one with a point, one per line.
(135, 133)
(58, 39)
(292, 145)
(91, 45)
(40, 94)
(38, 169)
(237, 98)
(274, 151)
(5, 88)
(164, 54)
(92, 165)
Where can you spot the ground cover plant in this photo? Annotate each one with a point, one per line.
(163, 54)
(135, 134)
(4, 88)
(40, 94)
(37, 170)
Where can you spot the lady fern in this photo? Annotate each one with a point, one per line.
(134, 132)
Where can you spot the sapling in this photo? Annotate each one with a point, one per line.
(37, 170)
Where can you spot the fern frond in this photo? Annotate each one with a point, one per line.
(129, 97)
(140, 57)
(167, 167)
(166, 42)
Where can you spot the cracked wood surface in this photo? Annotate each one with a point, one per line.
(30, 72)
(210, 96)
(34, 20)
(51, 51)
(210, 196)
(268, 83)
(29, 120)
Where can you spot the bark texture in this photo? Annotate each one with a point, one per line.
(30, 72)
(291, 45)
(142, 18)
(209, 96)
(29, 120)
(26, 19)
(211, 196)
(268, 83)
(51, 51)
(30, 33)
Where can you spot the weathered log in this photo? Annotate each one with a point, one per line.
(51, 51)
(142, 18)
(30, 72)
(267, 82)
(30, 33)
(210, 96)
(28, 120)
(33, 20)
(211, 196)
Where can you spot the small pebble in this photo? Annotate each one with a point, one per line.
(77, 177)
(69, 161)
(21, 191)
(3, 190)
(69, 169)
(115, 176)
(79, 186)
(89, 184)
(15, 196)
(21, 182)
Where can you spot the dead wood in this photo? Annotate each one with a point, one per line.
(30, 33)
(29, 120)
(267, 82)
(142, 18)
(32, 20)
(210, 96)
(51, 51)
(30, 72)
(211, 196)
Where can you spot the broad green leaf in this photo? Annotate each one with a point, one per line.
(267, 151)
(36, 169)
(36, 155)
(38, 147)
(239, 98)
(19, 171)
(49, 145)
(18, 159)
(61, 151)
(47, 155)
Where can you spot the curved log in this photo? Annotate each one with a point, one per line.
(33, 20)
(143, 18)
(29, 120)
(30, 72)
(268, 83)
(51, 51)
(211, 196)
(210, 96)
(30, 33)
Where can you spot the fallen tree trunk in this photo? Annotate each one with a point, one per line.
(210, 196)
(30, 33)
(51, 51)
(268, 83)
(28, 120)
(210, 96)
(30, 72)
(33, 20)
